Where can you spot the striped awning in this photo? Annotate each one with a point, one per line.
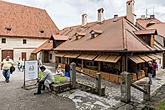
(71, 55)
(145, 58)
(101, 58)
(112, 59)
(158, 56)
(108, 58)
(87, 57)
(152, 56)
(136, 59)
(59, 54)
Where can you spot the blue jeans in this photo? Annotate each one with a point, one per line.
(150, 78)
(6, 74)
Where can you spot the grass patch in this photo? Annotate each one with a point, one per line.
(161, 105)
(57, 78)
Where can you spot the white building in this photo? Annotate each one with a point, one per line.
(23, 29)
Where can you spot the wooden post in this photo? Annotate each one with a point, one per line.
(126, 62)
(68, 60)
(82, 64)
(126, 87)
(99, 66)
(152, 41)
(146, 96)
(73, 75)
(163, 60)
(123, 64)
(98, 83)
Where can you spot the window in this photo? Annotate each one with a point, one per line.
(4, 40)
(24, 41)
(8, 28)
(50, 56)
(42, 31)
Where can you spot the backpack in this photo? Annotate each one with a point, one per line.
(12, 69)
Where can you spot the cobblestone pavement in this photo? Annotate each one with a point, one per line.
(158, 96)
(13, 97)
(89, 101)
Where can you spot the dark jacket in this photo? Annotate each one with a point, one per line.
(149, 69)
(67, 68)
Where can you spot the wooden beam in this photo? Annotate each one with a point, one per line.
(152, 41)
(82, 64)
(99, 66)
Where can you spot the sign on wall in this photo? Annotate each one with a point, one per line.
(31, 70)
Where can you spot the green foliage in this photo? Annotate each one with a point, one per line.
(161, 106)
(57, 78)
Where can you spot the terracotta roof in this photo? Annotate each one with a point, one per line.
(147, 22)
(159, 27)
(61, 37)
(24, 21)
(47, 45)
(147, 31)
(128, 1)
(117, 35)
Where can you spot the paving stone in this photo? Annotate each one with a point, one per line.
(126, 107)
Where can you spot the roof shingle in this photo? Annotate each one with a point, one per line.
(115, 36)
(25, 21)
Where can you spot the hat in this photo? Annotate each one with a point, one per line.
(42, 67)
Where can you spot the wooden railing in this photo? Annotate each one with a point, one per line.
(109, 76)
(137, 76)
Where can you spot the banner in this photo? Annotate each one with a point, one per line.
(31, 70)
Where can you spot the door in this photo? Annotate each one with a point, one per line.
(33, 56)
(46, 57)
(23, 56)
(6, 53)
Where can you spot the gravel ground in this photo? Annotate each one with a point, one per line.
(13, 97)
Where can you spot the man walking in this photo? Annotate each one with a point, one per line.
(46, 80)
(6, 65)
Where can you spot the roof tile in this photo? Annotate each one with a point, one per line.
(25, 21)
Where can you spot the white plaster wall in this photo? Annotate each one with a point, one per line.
(18, 53)
(16, 44)
(12, 43)
(160, 61)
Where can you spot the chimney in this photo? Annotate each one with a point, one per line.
(115, 16)
(130, 11)
(84, 19)
(142, 16)
(100, 16)
(152, 16)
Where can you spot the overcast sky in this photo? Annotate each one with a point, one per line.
(68, 12)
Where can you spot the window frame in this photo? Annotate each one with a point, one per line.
(50, 56)
(3, 39)
(25, 41)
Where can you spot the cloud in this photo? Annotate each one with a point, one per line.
(68, 12)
